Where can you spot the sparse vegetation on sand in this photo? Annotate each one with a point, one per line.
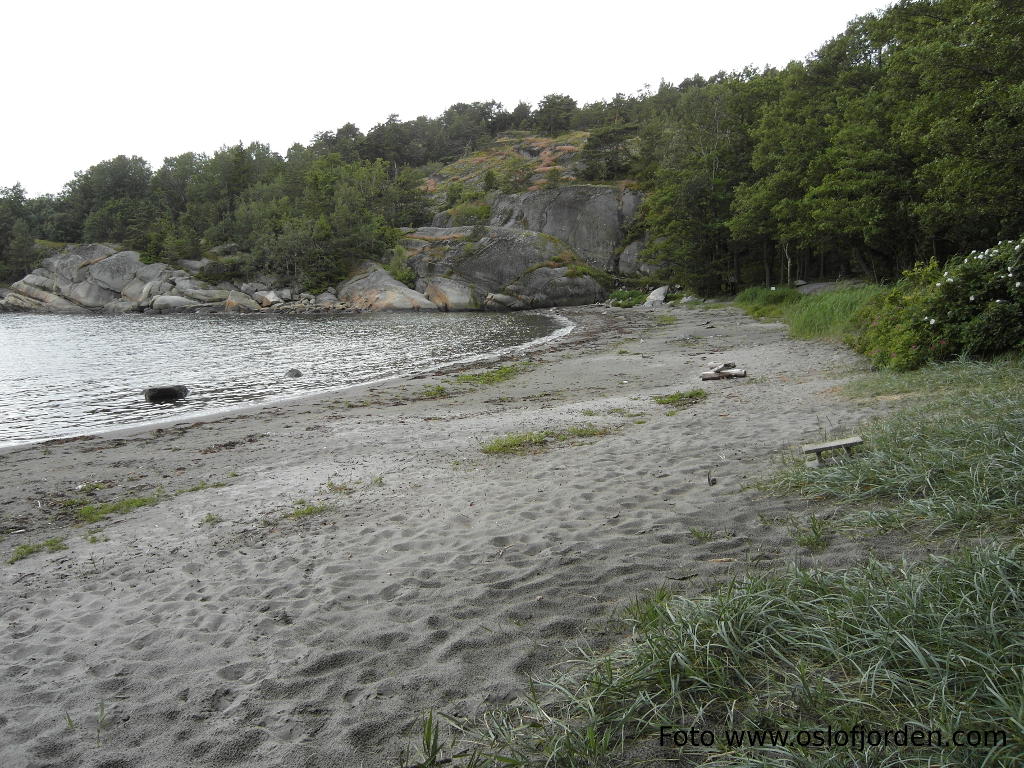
(27, 550)
(681, 398)
(529, 442)
(493, 376)
(93, 513)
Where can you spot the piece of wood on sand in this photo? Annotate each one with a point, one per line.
(723, 371)
(846, 443)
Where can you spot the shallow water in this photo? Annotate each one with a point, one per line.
(62, 376)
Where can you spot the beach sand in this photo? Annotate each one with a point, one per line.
(211, 628)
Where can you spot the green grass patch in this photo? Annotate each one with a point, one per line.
(767, 302)
(627, 297)
(831, 315)
(529, 442)
(435, 392)
(492, 376)
(27, 550)
(211, 519)
(931, 646)
(681, 398)
(953, 459)
(303, 508)
(202, 485)
(93, 513)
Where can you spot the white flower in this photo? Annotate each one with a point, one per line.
(945, 274)
(773, 287)
(937, 285)
(949, 279)
(1017, 285)
(932, 321)
(972, 298)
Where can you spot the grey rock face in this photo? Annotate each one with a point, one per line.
(167, 303)
(449, 295)
(237, 301)
(90, 295)
(526, 267)
(590, 219)
(116, 271)
(372, 288)
(629, 260)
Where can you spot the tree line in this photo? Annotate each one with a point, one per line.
(897, 141)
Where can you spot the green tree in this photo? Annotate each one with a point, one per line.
(554, 114)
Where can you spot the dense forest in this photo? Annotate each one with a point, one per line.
(898, 141)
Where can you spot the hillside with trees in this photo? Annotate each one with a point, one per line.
(897, 141)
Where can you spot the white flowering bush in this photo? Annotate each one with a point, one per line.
(974, 305)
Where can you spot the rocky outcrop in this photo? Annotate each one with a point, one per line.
(502, 269)
(592, 220)
(373, 288)
(542, 248)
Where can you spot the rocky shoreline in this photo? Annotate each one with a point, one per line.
(546, 248)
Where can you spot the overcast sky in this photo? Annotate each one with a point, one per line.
(86, 81)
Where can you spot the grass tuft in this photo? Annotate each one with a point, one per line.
(93, 513)
(681, 398)
(27, 550)
(492, 376)
(530, 442)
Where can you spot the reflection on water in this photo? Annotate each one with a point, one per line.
(73, 375)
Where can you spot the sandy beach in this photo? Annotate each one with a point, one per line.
(216, 627)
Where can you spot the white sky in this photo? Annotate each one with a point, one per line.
(86, 81)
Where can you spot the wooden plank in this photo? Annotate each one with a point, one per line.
(846, 442)
(732, 373)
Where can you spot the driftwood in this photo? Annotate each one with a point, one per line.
(727, 373)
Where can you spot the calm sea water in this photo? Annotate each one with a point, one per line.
(62, 376)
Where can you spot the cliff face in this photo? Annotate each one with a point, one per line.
(464, 268)
(592, 220)
(542, 249)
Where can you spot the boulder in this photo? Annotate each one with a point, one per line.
(285, 294)
(90, 295)
(116, 271)
(205, 295)
(656, 297)
(449, 295)
(293, 373)
(120, 307)
(327, 299)
(253, 288)
(38, 299)
(226, 249)
(374, 289)
(237, 301)
(165, 394)
(267, 298)
(167, 303)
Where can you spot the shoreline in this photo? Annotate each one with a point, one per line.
(475, 359)
(218, 624)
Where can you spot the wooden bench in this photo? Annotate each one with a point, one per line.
(846, 443)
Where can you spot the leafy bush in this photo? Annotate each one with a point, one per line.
(974, 306)
(399, 268)
(469, 213)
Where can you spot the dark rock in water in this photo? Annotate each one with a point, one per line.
(165, 394)
(293, 373)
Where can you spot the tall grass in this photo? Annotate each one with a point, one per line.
(831, 315)
(936, 647)
(953, 458)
